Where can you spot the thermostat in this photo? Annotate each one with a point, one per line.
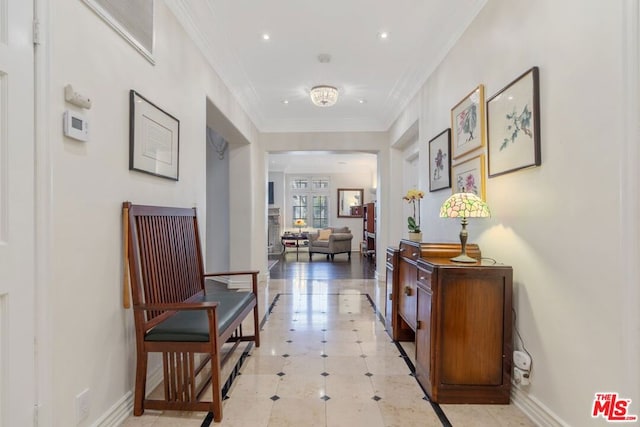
(75, 126)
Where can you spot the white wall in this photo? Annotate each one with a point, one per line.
(93, 343)
(217, 196)
(558, 225)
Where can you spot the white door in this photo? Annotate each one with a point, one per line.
(17, 260)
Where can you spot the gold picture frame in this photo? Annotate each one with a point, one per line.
(467, 123)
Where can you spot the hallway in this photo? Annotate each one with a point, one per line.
(326, 360)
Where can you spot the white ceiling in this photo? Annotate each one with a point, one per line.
(386, 74)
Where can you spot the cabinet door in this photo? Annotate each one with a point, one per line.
(473, 318)
(408, 277)
(388, 310)
(423, 339)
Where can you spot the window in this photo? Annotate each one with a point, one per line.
(299, 207)
(320, 211)
(309, 198)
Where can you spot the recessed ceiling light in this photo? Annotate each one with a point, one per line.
(383, 35)
(362, 101)
(285, 101)
(266, 36)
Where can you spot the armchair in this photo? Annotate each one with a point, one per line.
(331, 241)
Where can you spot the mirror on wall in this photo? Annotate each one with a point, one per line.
(350, 202)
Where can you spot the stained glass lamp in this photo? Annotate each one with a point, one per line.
(463, 206)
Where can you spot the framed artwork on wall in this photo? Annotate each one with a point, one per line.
(440, 161)
(154, 138)
(468, 177)
(467, 123)
(513, 125)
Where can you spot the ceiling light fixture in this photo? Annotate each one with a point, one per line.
(323, 95)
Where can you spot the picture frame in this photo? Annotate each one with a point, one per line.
(467, 123)
(513, 125)
(469, 177)
(440, 161)
(154, 138)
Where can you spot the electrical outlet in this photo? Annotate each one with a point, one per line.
(83, 404)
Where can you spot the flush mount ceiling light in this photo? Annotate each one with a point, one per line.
(323, 95)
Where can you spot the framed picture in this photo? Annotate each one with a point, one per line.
(513, 125)
(467, 123)
(440, 161)
(154, 138)
(468, 177)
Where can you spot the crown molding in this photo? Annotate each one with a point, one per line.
(212, 46)
(416, 75)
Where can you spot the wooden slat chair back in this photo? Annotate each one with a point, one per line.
(167, 287)
(166, 257)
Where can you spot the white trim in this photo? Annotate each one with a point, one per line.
(534, 409)
(118, 28)
(123, 408)
(238, 284)
(629, 200)
(43, 170)
(118, 413)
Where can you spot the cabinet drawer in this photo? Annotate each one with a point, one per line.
(425, 275)
(424, 280)
(409, 251)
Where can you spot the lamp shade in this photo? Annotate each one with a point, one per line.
(464, 205)
(324, 96)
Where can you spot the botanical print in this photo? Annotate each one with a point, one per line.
(466, 123)
(466, 183)
(440, 161)
(438, 166)
(515, 124)
(468, 177)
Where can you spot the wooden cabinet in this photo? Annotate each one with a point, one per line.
(463, 332)
(392, 277)
(404, 291)
(423, 334)
(369, 228)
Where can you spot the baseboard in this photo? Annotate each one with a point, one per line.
(123, 408)
(239, 284)
(534, 409)
(118, 413)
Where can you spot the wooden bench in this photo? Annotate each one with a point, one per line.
(174, 315)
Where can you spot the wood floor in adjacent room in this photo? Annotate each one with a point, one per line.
(326, 360)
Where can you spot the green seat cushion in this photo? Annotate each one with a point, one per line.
(193, 326)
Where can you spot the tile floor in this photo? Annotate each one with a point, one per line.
(326, 360)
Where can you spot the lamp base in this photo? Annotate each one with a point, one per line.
(463, 258)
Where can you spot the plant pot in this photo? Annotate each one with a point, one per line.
(415, 237)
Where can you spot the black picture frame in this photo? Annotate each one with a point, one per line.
(440, 161)
(154, 138)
